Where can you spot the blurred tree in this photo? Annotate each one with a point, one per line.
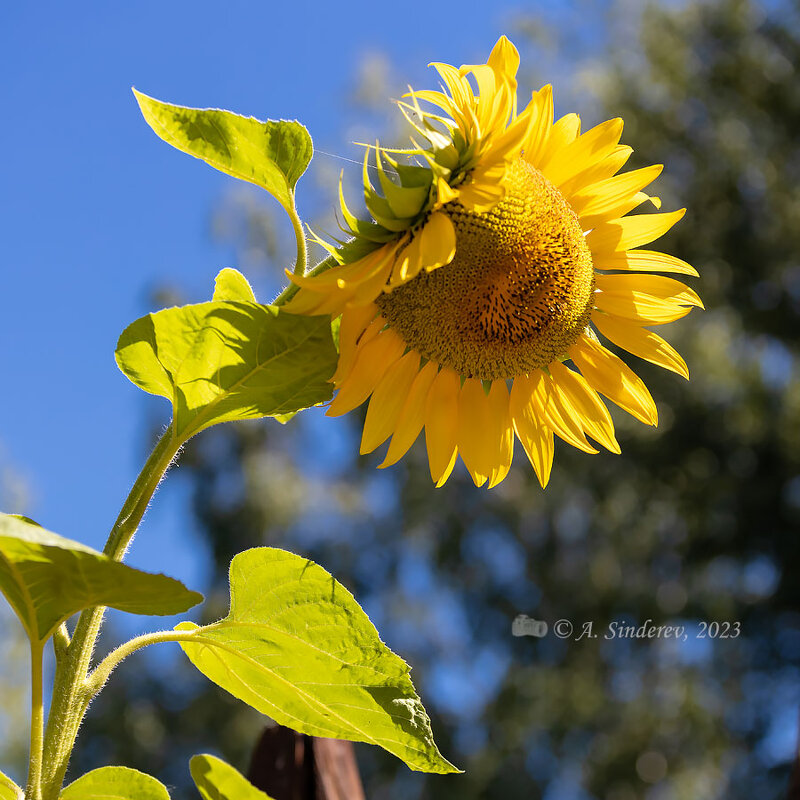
(696, 521)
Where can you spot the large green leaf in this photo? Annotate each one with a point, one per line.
(115, 783)
(297, 647)
(47, 578)
(8, 789)
(216, 780)
(223, 361)
(272, 154)
(230, 284)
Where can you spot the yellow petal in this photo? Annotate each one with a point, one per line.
(593, 146)
(643, 261)
(559, 414)
(503, 432)
(598, 171)
(487, 93)
(509, 143)
(541, 109)
(480, 197)
(641, 342)
(655, 285)
(612, 198)
(387, 401)
(536, 438)
(441, 424)
(444, 192)
(475, 431)
(438, 241)
(412, 415)
(361, 293)
(612, 377)
(352, 331)
(358, 283)
(587, 406)
(646, 299)
(409, 262)
(305, 301)
(627, 232)
(372, 361)
(458, 86)
(562, 133)
(504, 57)
(639, 308)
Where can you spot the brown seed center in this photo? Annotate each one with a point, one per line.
(517, 294)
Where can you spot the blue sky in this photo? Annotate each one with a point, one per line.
(96, 211)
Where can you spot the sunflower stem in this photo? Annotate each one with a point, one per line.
(71, 695)
(301, 265)
(34, 787)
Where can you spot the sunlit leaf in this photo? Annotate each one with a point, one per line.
(230, 284)
(47, 578)
(297, 647)
(115, 783)
(272, 154)
(223, 361)
(8, 789)
(216, 780)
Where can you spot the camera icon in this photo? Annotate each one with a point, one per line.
(523, 625)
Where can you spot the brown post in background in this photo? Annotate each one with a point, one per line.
(292, 766)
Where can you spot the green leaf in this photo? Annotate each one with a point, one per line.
(217, 780)
(8, 789)
(230, 284)
(272, 154)
(223, 361)
(297, 647)
(47, 578)
(115, 783)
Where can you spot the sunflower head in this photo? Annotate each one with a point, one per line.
(471, 302)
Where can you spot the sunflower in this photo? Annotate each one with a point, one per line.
(472, 301)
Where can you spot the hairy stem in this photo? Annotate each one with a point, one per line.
(61, 641)
(301, 264)
(71, 694)
(34, 787)
(101, 673)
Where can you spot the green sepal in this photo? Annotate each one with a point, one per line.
(380, 207)
(351, 250)
(405, 201)
(383, 214)
(115, 783)
(216, 780)
(361, 228)
(272, 154)
(411, 175)
(222, 361)
(297, 647)
(47, 578)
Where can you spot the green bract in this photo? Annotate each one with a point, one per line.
(115, 783)
(272, 154)
(224, 360)
(216, 780)
(47, 578)
(297, 647)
